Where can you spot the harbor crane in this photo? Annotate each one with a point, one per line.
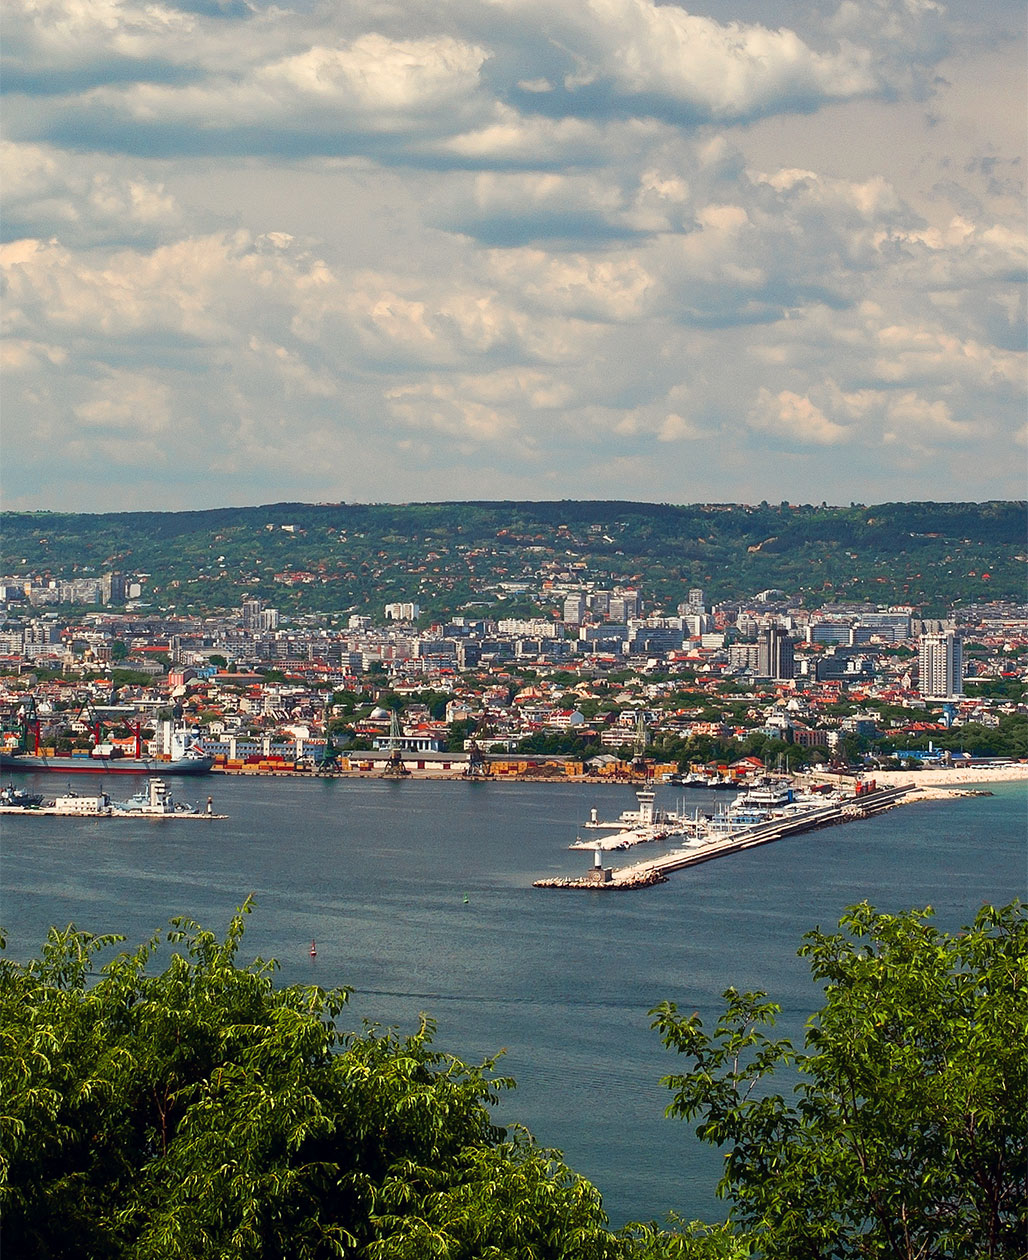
(395, 769)
(328, 761)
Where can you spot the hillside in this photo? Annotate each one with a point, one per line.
(451, 557)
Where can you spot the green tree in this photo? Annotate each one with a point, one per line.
(908, 1137)
(203, 1112)
(457, 733)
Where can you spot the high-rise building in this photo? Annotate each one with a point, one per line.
(574, 609)
(775, 654)
(405, 610)
(940, 666)
(598, 603)
(112, 588)
(251, 610)
(624, 605)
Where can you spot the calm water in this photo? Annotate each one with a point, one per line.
(377, 873)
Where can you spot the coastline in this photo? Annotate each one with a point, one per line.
(943, 777)
(940, 783)
(930, 777)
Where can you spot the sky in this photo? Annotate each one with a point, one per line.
(512, 249)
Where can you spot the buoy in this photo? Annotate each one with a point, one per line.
(314, 950)
(466, 898)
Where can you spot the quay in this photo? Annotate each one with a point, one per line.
(51, 811)
(655, 871)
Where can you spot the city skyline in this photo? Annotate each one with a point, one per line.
(486, 250)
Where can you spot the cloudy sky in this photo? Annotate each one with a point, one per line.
(400, 250)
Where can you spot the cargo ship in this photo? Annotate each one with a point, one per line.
(185, 756)
(192, 762)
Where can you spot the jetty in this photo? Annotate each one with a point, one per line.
(51, 811)
(656, 870)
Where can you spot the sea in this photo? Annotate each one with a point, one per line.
(419, 896)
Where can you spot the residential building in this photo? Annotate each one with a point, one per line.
(775, 654)
(940, 671)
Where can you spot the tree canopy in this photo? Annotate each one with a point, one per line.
(450, 557)
(202, 1111)
(909, 1136)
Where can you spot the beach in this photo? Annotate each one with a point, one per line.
(945, 776)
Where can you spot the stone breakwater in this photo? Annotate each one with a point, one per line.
(645, 879)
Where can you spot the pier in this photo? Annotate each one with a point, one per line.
(656, 870)
(51, 811)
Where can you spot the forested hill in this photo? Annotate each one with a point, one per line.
(467, 556)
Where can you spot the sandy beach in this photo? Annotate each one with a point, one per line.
(943, 777)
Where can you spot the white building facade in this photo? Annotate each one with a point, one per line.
(940, 666)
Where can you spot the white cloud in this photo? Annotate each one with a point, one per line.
(401, 250)
(592, 288)
(721, 71)
(82, 204)
(796, 419)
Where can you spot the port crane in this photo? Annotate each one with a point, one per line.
(328, 760)
(23, 721)
(395, 769)
(477, 767)
(89, 716)
(641, 765)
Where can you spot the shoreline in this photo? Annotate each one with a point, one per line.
(942, 777)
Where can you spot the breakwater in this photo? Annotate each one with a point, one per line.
(51, 811)
(656, 870)
(644, 879)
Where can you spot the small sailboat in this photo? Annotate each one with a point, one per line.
(466, 898)
(314, 949)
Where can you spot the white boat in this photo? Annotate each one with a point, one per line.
(767, 794)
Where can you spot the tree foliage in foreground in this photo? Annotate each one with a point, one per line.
(909, 1136)
(204, 1112)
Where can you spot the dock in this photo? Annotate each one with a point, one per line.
(655, 871)
(49, 811)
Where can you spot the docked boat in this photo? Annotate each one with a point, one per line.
(154, 801)
(726, 823)
(12, 797)
(187, 756)
(769, 794)
(83, 805)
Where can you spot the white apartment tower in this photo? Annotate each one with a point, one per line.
(574, 609)
(940, 666)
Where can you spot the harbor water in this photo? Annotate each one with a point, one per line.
(419, 897)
